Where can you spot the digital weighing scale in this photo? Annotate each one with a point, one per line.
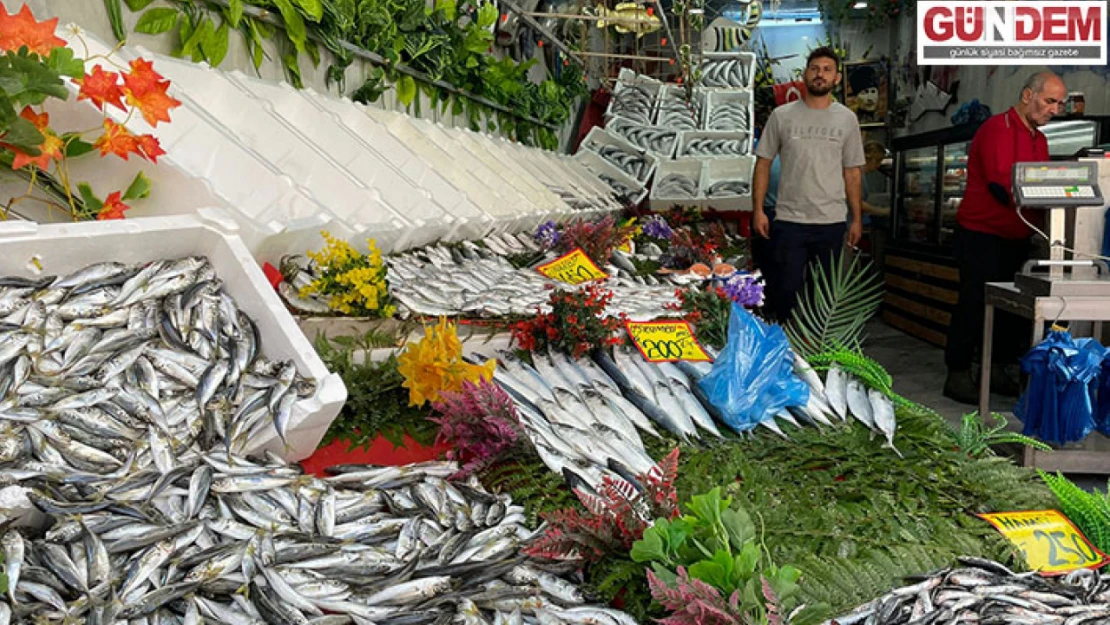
(1059, 186)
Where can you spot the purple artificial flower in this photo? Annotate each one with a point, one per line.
(657, 228)
(547, 235)
(745, 289)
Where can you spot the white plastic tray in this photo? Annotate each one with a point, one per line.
(731, 169)
(692, 109)
(628, 78)
(717, 98)
(688, 137)
(690, 167)
(730, 82)
(62, 248)
(622, 127)
(598, 138)
(599, 166)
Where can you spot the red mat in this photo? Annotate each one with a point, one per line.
(380, 451)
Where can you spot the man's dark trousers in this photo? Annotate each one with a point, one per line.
(794, 247)
(984, 258)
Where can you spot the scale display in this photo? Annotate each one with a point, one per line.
(1056, 185)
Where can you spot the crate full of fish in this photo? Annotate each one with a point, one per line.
(659, 141)
(714, 144)
(625, 187)
(727, 184)
(727, 70)
(729, 110)
(633, 98)
(678, 109)
(677, 183)
(166, 321)
(632, 160)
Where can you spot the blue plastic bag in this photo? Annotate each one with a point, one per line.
(753, 377)
(1102, 412)
(1059, 405)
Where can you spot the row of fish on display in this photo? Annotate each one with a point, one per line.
(987, 592)
(128, 393)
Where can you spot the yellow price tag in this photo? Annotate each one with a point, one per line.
(1050, 542)
(666, 341)
(574, 267)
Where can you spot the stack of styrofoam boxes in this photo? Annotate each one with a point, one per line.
(275, 213)
(635, 164)
(727, 80)
(681, 113)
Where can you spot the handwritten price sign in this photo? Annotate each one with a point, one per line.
(1048, 540)
(573, 268)
(666, 341)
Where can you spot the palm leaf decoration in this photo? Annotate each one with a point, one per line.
(831, 314)
(975, 437)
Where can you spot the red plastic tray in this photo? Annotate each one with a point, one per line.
(380, 451)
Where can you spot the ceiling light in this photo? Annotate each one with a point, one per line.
(860, 5)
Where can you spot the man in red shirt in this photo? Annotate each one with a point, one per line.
(991, 241)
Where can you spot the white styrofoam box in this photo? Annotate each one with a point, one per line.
(639, 135)
(603, 142)
(579, 170)
(688, 110)
(693, 168)
(63, 248)
(628, 79)
(275, 214)
(460, 174)
(744, 65)
(567, 176)
(716, 99)
(254, 122)
(689, 137)
(475, 222)
(527, 160)
(730, 170)
(535, 202)
(430, 222)
(601, 167)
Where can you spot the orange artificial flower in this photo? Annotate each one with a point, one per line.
(150, 147)
(21, 30)
(146, 90)
(113, 207)
(117, 140)
(102, 88)
(51, 146)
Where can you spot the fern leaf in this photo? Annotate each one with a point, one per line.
(832, 314)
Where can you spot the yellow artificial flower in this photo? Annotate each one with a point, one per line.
(434, 365)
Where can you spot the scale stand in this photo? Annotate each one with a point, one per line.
(1056, 283)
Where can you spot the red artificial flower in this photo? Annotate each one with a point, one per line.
(150, 147)
(51, 146)
(146, 90)
(113, 207)
(101, 88)
(117, 140)
(21, 29)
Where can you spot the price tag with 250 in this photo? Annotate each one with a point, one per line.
(666, 341)
(1050, 542)
(574, 267)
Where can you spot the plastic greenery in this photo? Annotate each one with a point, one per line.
(377, 403)
(353, 283)
(707, 309)
(597, 239)
(614, 518)
(1089, 511)
(478, 423)
(33, 64)
(975, 439)
(831, 314)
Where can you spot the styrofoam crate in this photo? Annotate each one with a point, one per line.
(605, 143)
(716, 99)
(531, 161)
(430, 221)
(493, 204)
(475, 222)
(601, 167)
(688, 138)
(63, 248)
(739, 75)
(275, 214)
(674, 111)
(732, 170)
(254, 122)
(690, 167)
(602, 191)
(628, 79)
(641, 136)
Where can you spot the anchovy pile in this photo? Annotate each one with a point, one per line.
(987, 593)
(675, 111)
(843, 395)
(676, 186)
(620, 188)
(656, 140)
(473, 281)
(728, 188)
(636, 165)
(734, 73)
(715, 147)
(634, 103)
(728, 116)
